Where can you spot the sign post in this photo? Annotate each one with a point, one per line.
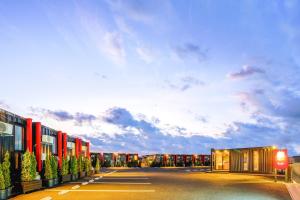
(280, 161)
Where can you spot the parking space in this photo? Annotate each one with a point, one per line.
(158, 183)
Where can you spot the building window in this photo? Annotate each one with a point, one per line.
(54, 146)
(19, 138)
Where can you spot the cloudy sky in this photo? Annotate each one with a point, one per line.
(156, 76)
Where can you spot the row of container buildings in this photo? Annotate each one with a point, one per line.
(18, 134)
(116, 159)
(175, 160)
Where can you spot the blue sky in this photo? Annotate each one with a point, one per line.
(156, 76)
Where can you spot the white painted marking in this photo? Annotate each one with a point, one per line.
(124, 178)
(84, 183)
(75, 187)
(130, 191)
(46, 198)
(97, 178)
(118, 183)
(110, 173)
(91, 181)
(63, 192)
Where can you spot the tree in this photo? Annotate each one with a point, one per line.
(6, 170)
(33, 166)
(80, 164)
(48, 170)
(65, 167)
(26, 167)
(2, 182)
(88, 166)
(53, 162)
(74, 167)
(97, 167)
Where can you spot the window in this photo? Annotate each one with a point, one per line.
(19, 138)
(54, 146)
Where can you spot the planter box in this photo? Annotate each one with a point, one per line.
(8, 191)
(66, 178)
(28, 186)
(3, 194)
(48, 182)
(74, 177)
(82, 174)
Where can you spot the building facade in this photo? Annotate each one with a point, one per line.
(19, 134)
(247, 160)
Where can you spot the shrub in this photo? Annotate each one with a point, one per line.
(2, 182)
(88, 166)
(48, 170)
(80, 164)
(6, 170)
(26, 167)
(74, 167)
(53, 162)
(65, 167)
(97, 167)
(32, 166)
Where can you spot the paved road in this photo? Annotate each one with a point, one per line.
(164, 184)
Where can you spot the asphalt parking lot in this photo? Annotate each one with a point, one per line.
(164, 184)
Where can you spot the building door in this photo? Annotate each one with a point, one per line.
(222, 160)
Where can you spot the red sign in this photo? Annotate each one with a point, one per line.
(281, 159)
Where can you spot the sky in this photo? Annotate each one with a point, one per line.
(179, 76)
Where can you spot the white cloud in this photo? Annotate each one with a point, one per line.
(145, 54)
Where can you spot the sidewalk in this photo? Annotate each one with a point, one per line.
(294, 190)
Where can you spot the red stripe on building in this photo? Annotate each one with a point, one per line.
(77, 147)
(88, 149)
(80, 147)
(59, 149)
(38, 139)
(65, 140)
(29, 134)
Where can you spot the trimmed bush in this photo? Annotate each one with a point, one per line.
(65, 167)
(88, 166)
(33, 166)
(6, 170)
(54, 163)
(2, 182)
(74, 167)
(26, 167)
(80, 164)
(48, 170)
(97, 167)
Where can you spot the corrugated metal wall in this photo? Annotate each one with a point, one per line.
(265, 160)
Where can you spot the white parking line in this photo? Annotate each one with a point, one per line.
(119, 183)
(84, 183)
(63, 192)
(124, 178)
(129, 191)
(46, 198)
(110, 173)
(91, 181)
(75, 187)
